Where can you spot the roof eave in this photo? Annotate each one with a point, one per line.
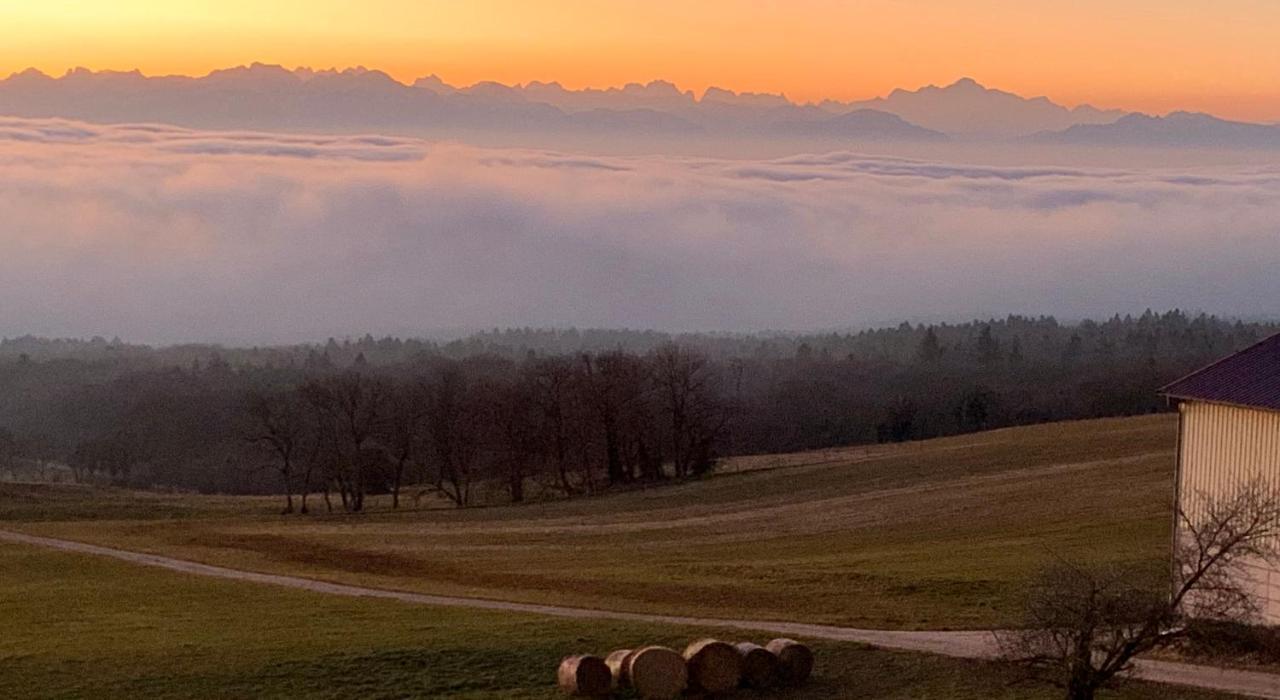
(1219, 402)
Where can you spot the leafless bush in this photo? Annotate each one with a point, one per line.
(1085, 626)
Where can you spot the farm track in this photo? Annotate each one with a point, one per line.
(968, 644)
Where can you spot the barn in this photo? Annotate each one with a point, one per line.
(1228, 435)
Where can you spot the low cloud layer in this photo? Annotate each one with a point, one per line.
(163, 234)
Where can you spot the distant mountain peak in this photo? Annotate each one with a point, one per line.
(360, 76)
(261, 74)
(653, 88)
(81, 73)
(255, 68)
(756, 99)
(30, 74)
(966, 106)
(1181, 129)
(1193, 116)
(491, 88)
(435, 84)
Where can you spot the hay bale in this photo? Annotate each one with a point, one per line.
(795, 660)
(714, 666)
(759, 665)
(657, 673)
(585, 676)
(617, 663)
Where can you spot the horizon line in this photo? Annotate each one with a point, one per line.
(445, 335)
(698, 97)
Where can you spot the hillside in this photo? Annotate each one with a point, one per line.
(159, 634)
(930, 534)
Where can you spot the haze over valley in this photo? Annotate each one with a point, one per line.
(260, 204)
(162, 234)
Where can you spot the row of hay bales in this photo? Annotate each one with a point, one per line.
(708, 666)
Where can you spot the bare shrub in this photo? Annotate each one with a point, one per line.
(1085, 626)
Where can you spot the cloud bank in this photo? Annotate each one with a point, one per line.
(164, 234)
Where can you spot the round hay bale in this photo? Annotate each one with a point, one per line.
(795, 660)
(759, 665)
(617, 663)
(657, 673)
(585, 676)
(714, 666)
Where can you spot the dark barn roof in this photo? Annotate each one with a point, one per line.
(1250, 377)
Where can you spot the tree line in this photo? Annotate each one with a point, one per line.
(524, 413)
(563, 425)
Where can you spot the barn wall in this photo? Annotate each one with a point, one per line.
(1222, 447)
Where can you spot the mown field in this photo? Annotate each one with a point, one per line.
(938, 534)
(77, 626)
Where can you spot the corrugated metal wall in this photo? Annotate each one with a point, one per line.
(1221, 448)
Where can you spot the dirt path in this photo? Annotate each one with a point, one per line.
(975, 644)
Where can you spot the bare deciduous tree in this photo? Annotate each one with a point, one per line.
(403, 430)
(114, 456)
(612, 383)
(512, 420)
(695, 417)
(278, 424)
(8, 453)
(453, 433)
(351, 406)
(1086, 626)
(552, 387)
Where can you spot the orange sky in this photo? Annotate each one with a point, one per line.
(1221, 56)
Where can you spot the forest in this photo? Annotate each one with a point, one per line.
(524, 414)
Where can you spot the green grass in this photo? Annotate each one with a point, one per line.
(78, 626)
(38, 502)
(938, 534)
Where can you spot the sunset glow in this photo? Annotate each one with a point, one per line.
(1147, 55)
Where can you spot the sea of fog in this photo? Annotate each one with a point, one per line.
(162, 234)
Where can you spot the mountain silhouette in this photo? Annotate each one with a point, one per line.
(546, 114)
(1179, 129)
(271, 97)
(969, 108)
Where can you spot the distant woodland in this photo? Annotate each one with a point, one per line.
(521, 414)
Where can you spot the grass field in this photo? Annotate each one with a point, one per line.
(937, 534)
(78, 626)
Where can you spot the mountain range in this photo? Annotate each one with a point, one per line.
(268, 97)
(968, 108)
(1170, 131)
